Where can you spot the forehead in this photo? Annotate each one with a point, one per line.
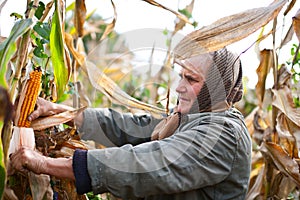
(197, 64)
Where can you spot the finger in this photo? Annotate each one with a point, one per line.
(35, 114)
(37, 111)
(17, 159)
(155, 136)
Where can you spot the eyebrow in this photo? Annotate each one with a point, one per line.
(189, 75)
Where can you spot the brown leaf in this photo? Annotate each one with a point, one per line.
(290, 6)
(47, 10)
(40, 186)
(180, 16)
(281, 186)
(296, 24)
(74, 144)
(249, 121)
(266, 63)
(47, 122)
(287, 130)
(283, 100)
(108, 87)
(110, 27)
(281, 160)
(261, 127)
(2, 5)
(256, 189)
(6, 110)
(80, 13)
(284, 75)
(77, 55)
(181, 23)
(288, 37)
(226, 30)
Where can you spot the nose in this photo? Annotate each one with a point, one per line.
(181, 87)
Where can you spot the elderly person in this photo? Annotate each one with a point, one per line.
(201, 151)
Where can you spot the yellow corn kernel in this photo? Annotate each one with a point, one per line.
(31, 95)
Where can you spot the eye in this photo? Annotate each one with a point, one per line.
(191, 80)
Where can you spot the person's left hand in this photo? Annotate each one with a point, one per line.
(27, 159)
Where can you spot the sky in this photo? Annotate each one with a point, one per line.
(137, 14)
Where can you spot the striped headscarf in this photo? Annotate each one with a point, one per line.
(223, 85)
(222, 88)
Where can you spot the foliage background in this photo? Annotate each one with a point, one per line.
(60, 38)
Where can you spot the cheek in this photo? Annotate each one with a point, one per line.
(197, 87)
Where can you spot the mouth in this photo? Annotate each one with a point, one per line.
(182, 99)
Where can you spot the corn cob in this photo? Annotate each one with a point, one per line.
(32, 89)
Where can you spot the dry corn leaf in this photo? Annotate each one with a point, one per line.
(108, 87)
(7, 109)
(47, 122)
(249, 121)
(80, 13)
(255, 190)
(181, 23)
(266, 63)
(180, 16)
(47, 10)
(296, 24)
(74, 144)
(288, 37)
(110, 27)
(289, 8)
(284, 75)
(226, 30)
(283, 100)
(40, 186)
(288, 130)
(77, 55)
(281, 186)
(281, 160)
(2, 5)
(66, 189)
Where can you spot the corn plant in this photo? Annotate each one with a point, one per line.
(42, 38)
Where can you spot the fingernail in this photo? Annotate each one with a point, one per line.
(29, 118)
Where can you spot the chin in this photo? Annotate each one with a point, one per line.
(184, 107)
(183, 110)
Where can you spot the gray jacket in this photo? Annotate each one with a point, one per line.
(208, 157)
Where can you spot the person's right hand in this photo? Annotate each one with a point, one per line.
(27, 159)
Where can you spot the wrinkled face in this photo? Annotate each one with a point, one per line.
(192, 79)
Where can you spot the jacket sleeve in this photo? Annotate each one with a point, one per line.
(185, 161)
(112, 128)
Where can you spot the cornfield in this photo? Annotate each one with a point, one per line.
(66, 55)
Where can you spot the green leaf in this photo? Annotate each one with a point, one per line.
(39, 52)
(40, 10)
(16, 15)
(2, 166)
(8, 47)
(186, 13)
(57, 53)
(42, 29)
(71, 7)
